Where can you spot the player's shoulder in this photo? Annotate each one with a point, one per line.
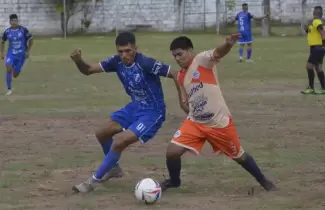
(204, 54)
(317, 21)
(113, 59)
(7, 30)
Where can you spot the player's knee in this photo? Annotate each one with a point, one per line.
(241, 158)
(123, 140)
(107, 130)
(309, 66)
(174, 151)
(16, 74)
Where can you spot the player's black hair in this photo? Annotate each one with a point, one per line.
(13, 16)
(125, 38)
(244, 5)
(181, 42)
(318, 7)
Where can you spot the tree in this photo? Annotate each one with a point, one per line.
(73, 7)
(266, 26)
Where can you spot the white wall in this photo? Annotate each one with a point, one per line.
(41, 17)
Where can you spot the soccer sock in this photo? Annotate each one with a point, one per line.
(321, 78)
(107, 145)
(250, 165)
(174, 169)
(311, 77)
(241, 52)
(9, 80)
(249, 53)
(110, 160)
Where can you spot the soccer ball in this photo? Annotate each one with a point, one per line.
(148, 191)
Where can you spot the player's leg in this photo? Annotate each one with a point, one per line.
(310, 72)
(241, 43)
(143, 129)
(9, 73)
(188, 138)
(18, 66)
(119, 121)
(320, 72)
(226, 141)
(241, 52)
(249, 49)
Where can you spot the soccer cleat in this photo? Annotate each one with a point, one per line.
(86, 186)
(268, 185)
(240, 59)
(9, 92)
(308, 91)
(320, 92)
(166, 184)
(115, 172)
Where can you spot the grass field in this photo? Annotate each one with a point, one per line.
(47, 141)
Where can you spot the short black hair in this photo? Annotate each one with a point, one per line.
(13, 16)
(244, 5)
(181, 42)
(125, 38)
(318, 7)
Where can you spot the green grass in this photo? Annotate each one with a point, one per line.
(47, 125)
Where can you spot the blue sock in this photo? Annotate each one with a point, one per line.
(8, 80)
(107, 146)
(110, 160)
(241, 52)
(250, 165)
(249, 53)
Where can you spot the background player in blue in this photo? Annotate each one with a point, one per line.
(20, 44)
(244, 19)
(137, 121)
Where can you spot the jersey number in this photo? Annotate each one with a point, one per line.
(241, 23)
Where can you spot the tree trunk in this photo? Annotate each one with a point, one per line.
(64, 23)
(266, 23)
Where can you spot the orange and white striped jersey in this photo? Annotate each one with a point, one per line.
(206, 102)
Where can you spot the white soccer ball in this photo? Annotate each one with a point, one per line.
(148, 191)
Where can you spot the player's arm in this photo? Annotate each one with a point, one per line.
(320, 28)
(2, 44)
(88, 69)
(29, 39)
(182, 97)
(259, 18)
(225, 48)
(233, 21)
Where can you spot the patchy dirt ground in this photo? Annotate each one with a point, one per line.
(47, 142)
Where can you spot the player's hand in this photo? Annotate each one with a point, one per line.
(27, 55)
(2, 56)
(233, 38)
(76, 55)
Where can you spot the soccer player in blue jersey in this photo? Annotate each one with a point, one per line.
(137, 121)
(20, 44)
(244, 19)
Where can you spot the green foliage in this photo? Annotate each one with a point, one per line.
(230, 4)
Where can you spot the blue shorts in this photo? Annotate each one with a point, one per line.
(16, 62)
(143, 123)
(246, 38)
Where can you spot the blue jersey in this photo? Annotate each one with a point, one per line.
(244, 22)
(141, 80)
(18, 39)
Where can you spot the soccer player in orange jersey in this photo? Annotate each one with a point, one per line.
(208, 117)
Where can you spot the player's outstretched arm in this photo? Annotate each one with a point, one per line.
(225, 48)
(261, 17)
(84, 68)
